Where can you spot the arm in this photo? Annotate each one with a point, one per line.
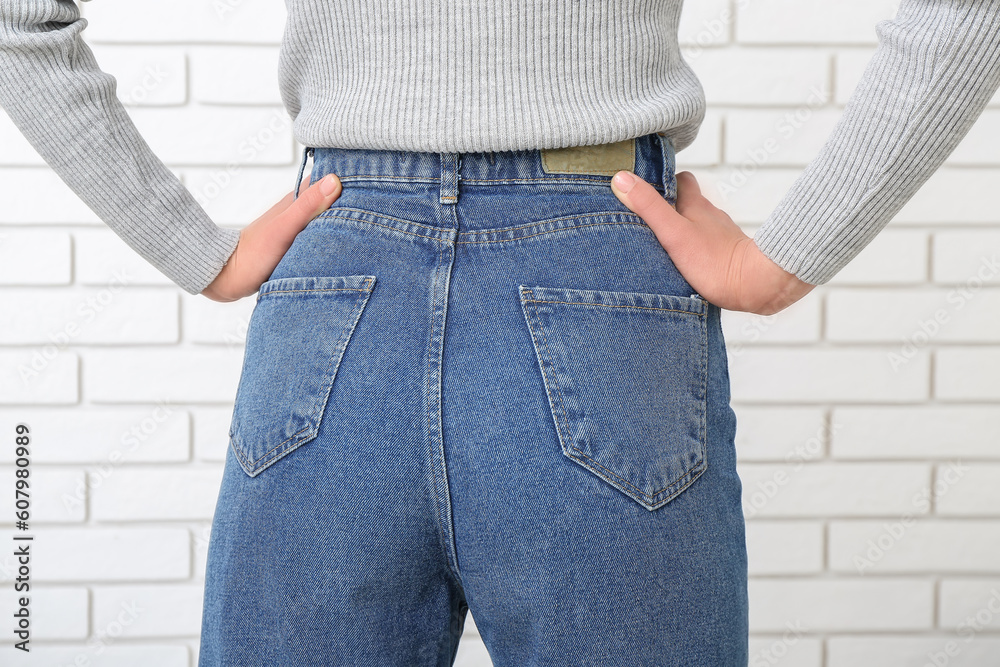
(936, 68)
(62, 102)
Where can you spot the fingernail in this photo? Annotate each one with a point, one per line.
(624, 180)
(328, 184)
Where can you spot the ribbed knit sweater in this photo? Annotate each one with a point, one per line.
(478, 75)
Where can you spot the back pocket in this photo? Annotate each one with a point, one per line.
(296, 337)
(626, 376)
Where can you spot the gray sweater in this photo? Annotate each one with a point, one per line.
(478, 75)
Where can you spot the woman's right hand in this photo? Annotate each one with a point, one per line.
(265, 241)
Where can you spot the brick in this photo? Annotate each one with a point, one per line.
(811, 21)
(48, 492)
(161, 375)
(133, 494)
(55, 613)
(470, 626)
(202, 536)
(224, 324)
(746, 195)
(966, 259)
(785, 547)
(155, 433)
(969, 606)
(43, 375)
(242, 21)
(16, 149)
(913, 318)
(35, 258)
(918, 432)
(788, 648)
(965, 203)
(236, 194)
(940, 649)
(799, 323)
(833, 489)
(971, 489)
(116, 313)
(778, 137)
(211, 433)
(764, 77)
(780, 433)
(850, 67)
(472, 653)
(798, 375)
(979, 147)
(893, 257)
(967, 373)
(707, 148)
(914, 545)
(235, 74)
(145, 76)
(100, 255)
(707, 23)
(157, 610)
(102, 554)
(247, 136)
(841, 604)
(22, 188)
(104, 653)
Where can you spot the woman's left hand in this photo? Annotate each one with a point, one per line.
(713, 254)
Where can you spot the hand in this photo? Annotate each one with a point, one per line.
(265, 241)
(713, 254)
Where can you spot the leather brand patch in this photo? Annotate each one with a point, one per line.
(602, 160)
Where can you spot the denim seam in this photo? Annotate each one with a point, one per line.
(517, 238)
(565, 421)
(364, 214)
(382, 178)
(451, 557)
(299, 291)
(613, 305)
(341, 342)
(554, 231)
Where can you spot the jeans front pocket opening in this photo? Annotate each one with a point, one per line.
(626, 377)
(296, 338)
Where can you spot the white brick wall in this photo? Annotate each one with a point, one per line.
(868, 413)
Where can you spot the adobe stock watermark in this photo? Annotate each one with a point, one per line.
(785, 130)
(86, 312)
(249, 149)
(131, 439)
(714, 28)
(967, 631)
(768, 489)
(152, 78)
(929, 328)
(777, 650)
(127, 614)
(892, 533)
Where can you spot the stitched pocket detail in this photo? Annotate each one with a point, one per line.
(626, 376)
(296, 337)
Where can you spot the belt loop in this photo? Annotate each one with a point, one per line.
(669, 168)
(450, 163)
(306, 152)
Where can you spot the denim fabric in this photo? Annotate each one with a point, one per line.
(477, 383)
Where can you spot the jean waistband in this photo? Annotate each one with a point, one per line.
(651, 157)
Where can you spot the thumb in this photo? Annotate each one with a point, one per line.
(646, 202)
(315, 199)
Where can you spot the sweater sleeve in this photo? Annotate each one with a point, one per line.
(67, 108)
(936, 68)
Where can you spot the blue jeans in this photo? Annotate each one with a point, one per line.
(477, 382)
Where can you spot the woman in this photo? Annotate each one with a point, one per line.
(481, 373)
